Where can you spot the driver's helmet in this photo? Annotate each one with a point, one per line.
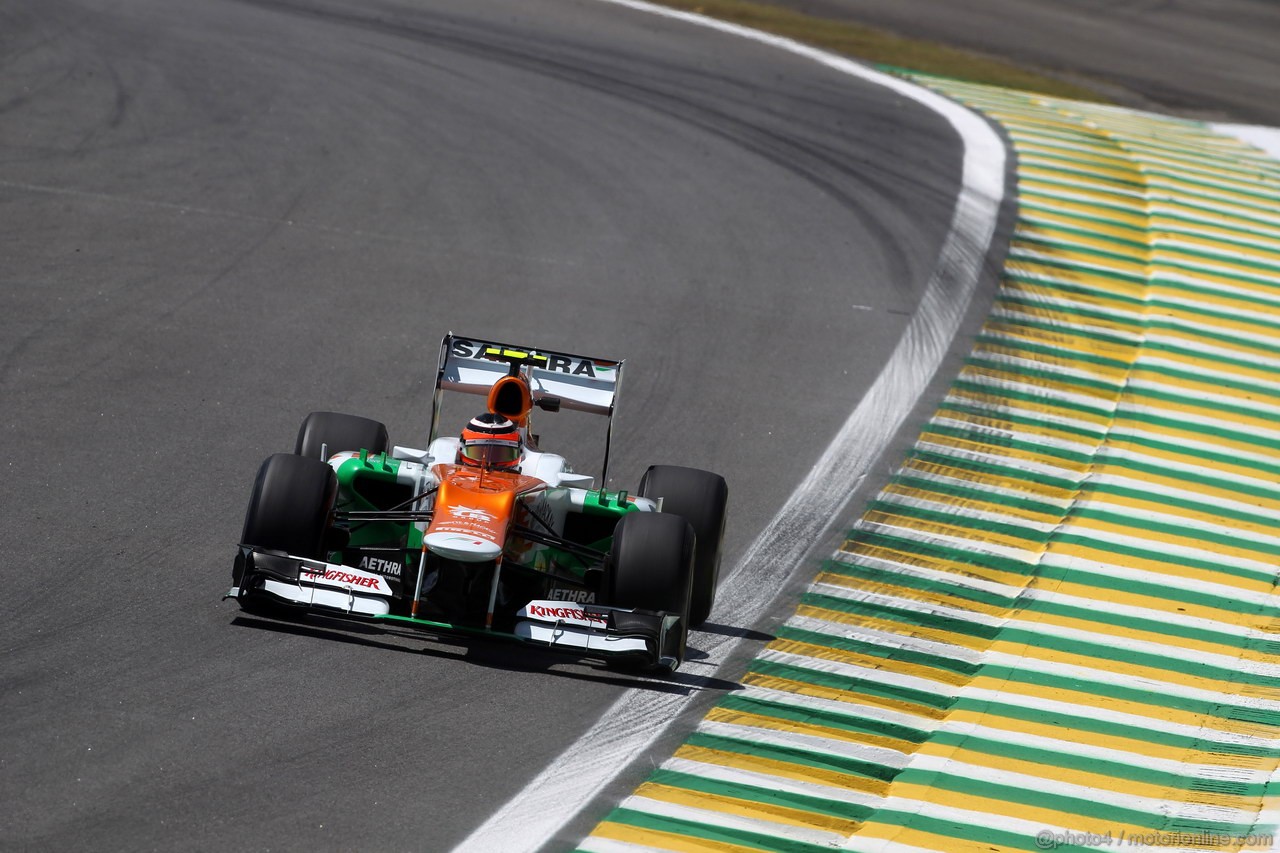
(490, 441)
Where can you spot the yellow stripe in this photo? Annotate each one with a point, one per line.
(1069, 360)
(1137, 672)
(1086, 701)
(783, 769)
(1043, 491)
(1033, 218)
(1200, 364)
(937, 635)
(970, 503)
(1168, 791)
(1171, 642)
(1062, 314)
(1060, 340)
(867, 661)
(941, 597)
(1171, 298)
(1158, 566)
(925, 713)
(657, 840)
(859, 548)
(1256, 253)
(763, 721)
(1094, 299)
(1122, 214)
(1261, 503)
(1082, 589)
(1032, 540)
(1156, 505)
(784, 815)
(1013, 377)
(950, 844)
(1001, 425)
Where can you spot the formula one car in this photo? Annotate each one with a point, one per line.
(485, 534)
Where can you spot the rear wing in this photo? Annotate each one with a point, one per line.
(557, 380)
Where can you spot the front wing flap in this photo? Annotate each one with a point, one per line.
(282, 578)
(652, 638)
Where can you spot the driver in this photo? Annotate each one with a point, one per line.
(491, 441)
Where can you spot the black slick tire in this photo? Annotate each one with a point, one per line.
(289, 508)
(336, 432)
(701, 498)
(650, 565)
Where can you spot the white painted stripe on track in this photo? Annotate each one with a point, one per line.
(635, 721)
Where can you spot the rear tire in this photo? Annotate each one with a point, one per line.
(336, 432)
(651, 563)
(290, 506)
(701, 498)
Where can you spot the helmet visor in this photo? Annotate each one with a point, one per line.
(502, 453)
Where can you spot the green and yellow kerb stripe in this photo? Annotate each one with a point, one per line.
(1058, 624)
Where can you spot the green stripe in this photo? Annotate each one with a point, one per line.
(1085, 806)
(845, 722)
(922, 698)
(1075, 266)
(1050, 230)
(1215, 509)
(1029, 534)
(979, 436)
(1068, 723)
(944, 491)
(1165, 556)
(897, 578)
(1013, 301)
(1078, 288)
(1063, 685)
(1063, 353)
(1109, 388)
(724, 835)
(870, 649)
(1225, 457)
(1104, 411)
(924, 619)
(1091, 433)
(935, 552)
(1217, 379)
(978, 466)
(1169, 660)
(1035, 241)
(768, 796)
(793, 755)
(1139, 623)
(1227, 603)
(1173, 529)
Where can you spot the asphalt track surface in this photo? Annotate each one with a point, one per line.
(1208, 59)
(216, 216)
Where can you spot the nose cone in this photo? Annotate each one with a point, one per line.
(461, 547)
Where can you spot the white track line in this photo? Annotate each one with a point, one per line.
(628, 728)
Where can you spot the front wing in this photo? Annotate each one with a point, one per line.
(643, 638)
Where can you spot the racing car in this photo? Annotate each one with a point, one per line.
(483, 533)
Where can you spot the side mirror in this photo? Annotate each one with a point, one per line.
(549, 404)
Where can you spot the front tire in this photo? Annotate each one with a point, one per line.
(701, 498)
(336, 432)
(651, 563)
(289, 508)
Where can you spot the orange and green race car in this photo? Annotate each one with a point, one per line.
(484, 533)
